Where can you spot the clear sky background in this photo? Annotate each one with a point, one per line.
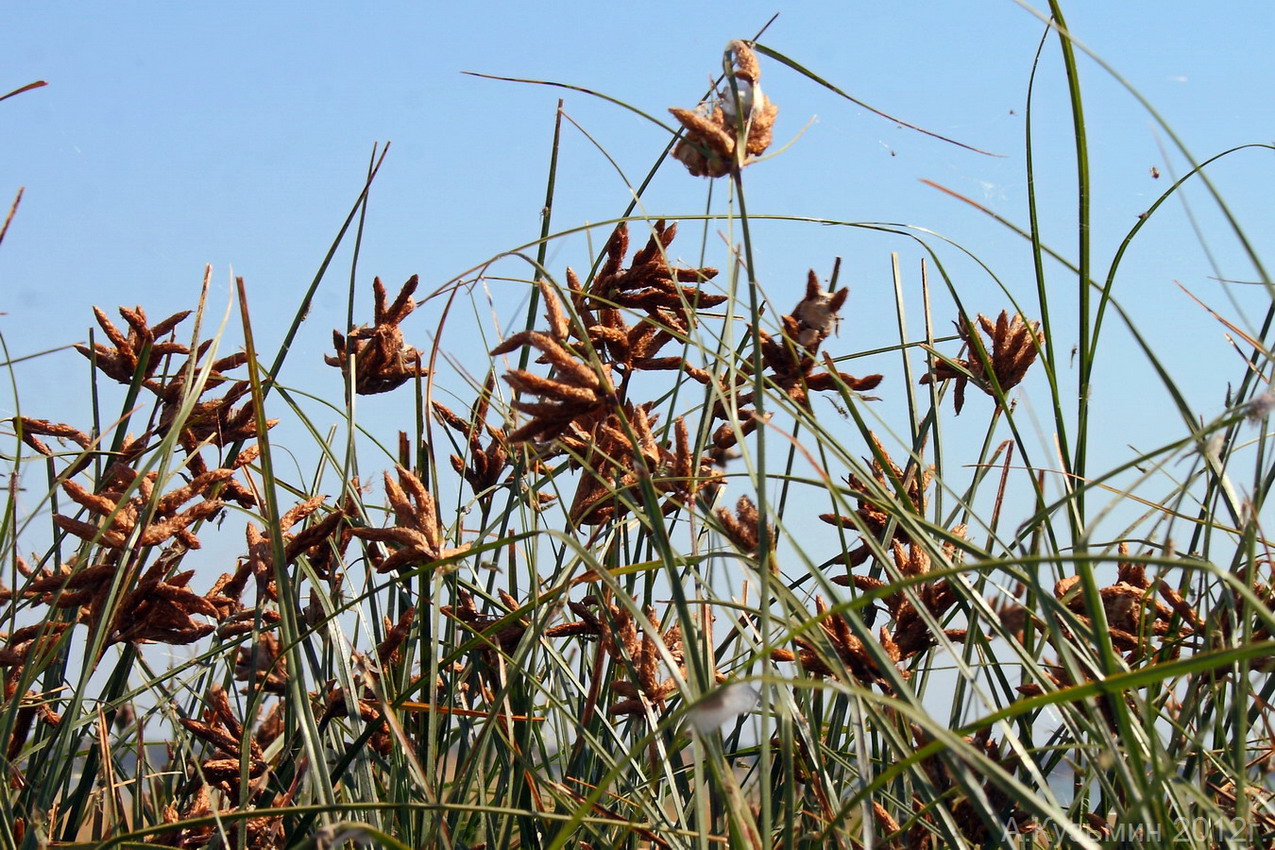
(172, 135)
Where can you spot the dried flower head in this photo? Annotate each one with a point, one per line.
(216, 421)
(643, 650)
(122, 361)
(222, 730)
(879, 503)
(161, 610)
(713, 130)
(614, 455)
(850, 651)
(688, 477)
(910, 633)
(669, 297)
(172, 386)
(1136, 621)
(29, 428)
(382, 361)
(500, 633)
(28, 645)
(126, 504)
(264, 664)
(482, 468)
(646, 654)
(1014, 345)
(316, 541)
(743, 527)
(577, 394)
(790, 357)
(418, 533)
(594, 348)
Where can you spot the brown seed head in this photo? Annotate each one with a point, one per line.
(711, 131)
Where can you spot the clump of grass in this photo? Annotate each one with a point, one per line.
(594, 607)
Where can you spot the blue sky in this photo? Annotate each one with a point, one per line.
(236, 134)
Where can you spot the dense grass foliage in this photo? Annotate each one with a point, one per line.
(658, 571)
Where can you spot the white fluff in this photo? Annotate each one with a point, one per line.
(723, 706)
(750, 98)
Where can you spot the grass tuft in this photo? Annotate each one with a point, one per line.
(623, 580)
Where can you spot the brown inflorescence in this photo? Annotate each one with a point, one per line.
(942, 770)
(910, 634)
(1139, 625)
(879, 503)
(223, 771)
(850, 650)
(593, 349)
(263, 664)
(500, 633)
(160, 609)
(142, 352)
(217, 421)
(482, 467)
(634, 647)
(710, 146)
(127, 509)
(743, 527)
(23, 646)
(222, 730)
(576, 397)
(141, 347)
(621, 450)
(29, 428)
(790, 358)
(316, 541)
(417, 534)
(373, 677)
(588, 349)
(1015, 344)
(381, 359)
